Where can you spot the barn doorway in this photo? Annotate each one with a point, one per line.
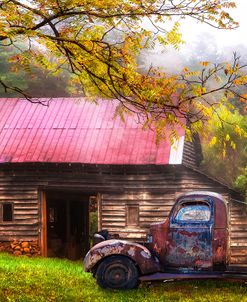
(67, 224)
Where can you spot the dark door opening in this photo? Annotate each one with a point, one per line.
(67, 224)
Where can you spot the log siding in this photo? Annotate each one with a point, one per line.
(152, 188)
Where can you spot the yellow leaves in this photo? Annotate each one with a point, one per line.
(237, 130)
(172, 37)
(224, 150)
(222, 144)
(155, 89)
(227, 133)
(227, 138)
(169, 122)
(242, 80)
(240, 131)
(233, 145)
(190, 73)
(204, 63)
(198, 90)
(197, 126)
(213, 141)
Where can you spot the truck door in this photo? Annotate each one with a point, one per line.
(189, 240)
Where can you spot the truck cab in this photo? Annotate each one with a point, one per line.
(191, 243)
(195, 235)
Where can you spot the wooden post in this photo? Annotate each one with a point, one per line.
(99, 204)
(43, 227)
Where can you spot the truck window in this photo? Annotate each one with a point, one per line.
(193, 212)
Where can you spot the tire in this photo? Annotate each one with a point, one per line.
(117, 272)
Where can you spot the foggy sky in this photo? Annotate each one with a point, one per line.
(205, 43)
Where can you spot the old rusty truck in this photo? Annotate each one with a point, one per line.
(192, 243)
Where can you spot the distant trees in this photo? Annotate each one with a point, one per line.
(28, 80)
(8, 72)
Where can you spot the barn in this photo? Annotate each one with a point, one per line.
(70, 165)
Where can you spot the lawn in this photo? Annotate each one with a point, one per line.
(42, 279)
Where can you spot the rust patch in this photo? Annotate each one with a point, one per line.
(138, 253)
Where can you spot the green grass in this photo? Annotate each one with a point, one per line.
(42, 279)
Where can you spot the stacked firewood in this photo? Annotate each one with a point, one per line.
(18, 248)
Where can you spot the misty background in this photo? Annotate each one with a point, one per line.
(203, 43)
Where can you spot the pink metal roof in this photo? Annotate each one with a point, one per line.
(75, 131)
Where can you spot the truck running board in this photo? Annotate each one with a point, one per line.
(228, 276)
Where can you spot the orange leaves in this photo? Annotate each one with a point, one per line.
(204, 63)
(229, 5)
(243, 99)
(242, 80)
(15, 58)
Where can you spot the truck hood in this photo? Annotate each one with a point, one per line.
(137, 252)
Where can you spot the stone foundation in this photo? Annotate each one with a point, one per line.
(18, 248)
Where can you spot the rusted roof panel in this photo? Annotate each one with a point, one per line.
(75, 131)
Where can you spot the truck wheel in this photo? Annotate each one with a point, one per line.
(117, 272)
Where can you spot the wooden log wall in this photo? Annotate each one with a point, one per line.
(192, 152)
(152, 188)
(156, 196)
(189, 155)
(152, 208)
(238, 232)
(23, 194)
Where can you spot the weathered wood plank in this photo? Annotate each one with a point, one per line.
(25, 227)
(21, 237)
(25, 212)
(113, 214)
(110, 219)
(22, 220)
(239, 251)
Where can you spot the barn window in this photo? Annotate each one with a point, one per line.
(132, 215)
(7, 212)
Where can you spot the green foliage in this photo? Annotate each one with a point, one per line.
(225, 146)
(8, 71)
(93, 226)
(241, 182)
(47, 280)
(30, 79)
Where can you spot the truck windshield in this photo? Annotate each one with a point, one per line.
(193, 212)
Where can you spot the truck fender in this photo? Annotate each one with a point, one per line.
(138, 253)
